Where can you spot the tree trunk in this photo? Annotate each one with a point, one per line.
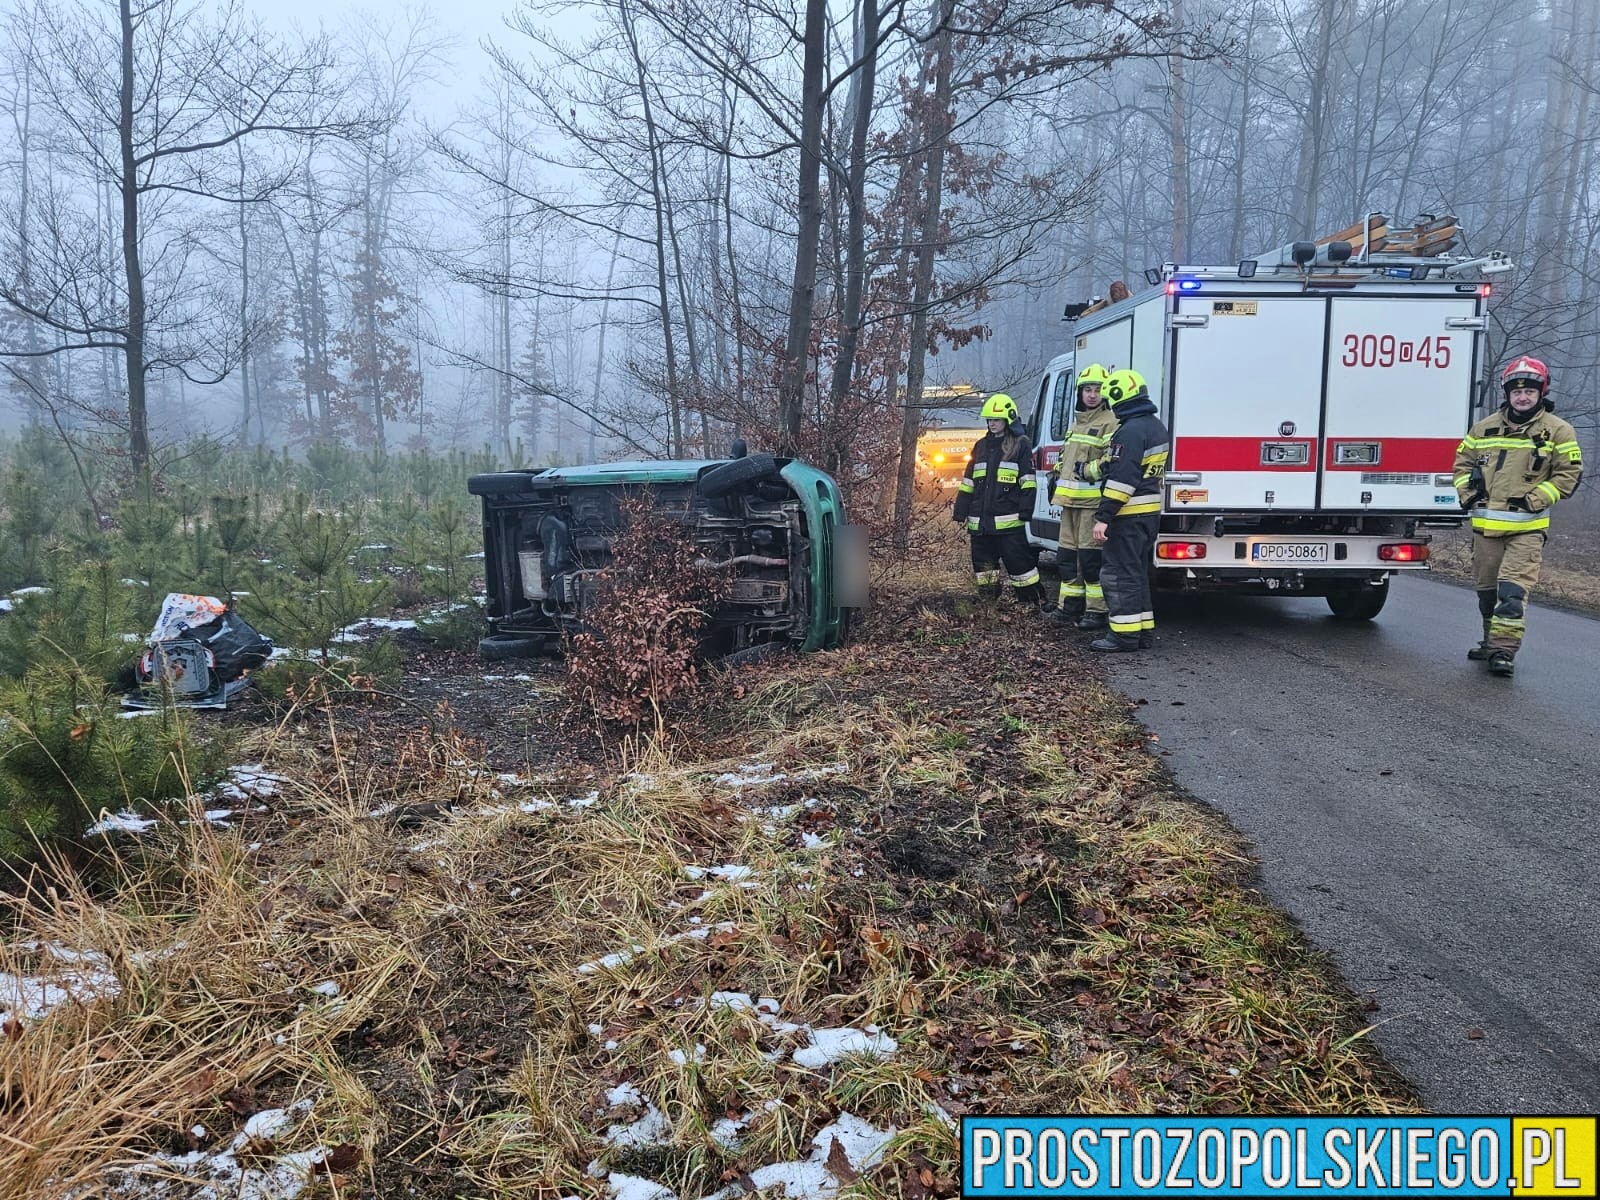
(1242, 143)
(128, 180)
(1308, 174)
(861, 95)
(244, 310)
(1180, 145)
(600, 352)
(932, 132)
(734, 299)
(803, 289)
(674, 410)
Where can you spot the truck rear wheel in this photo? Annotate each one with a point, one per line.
(1359, 603)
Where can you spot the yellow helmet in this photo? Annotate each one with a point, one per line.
(1000, 407)
(1124, 386)
(1093, 374)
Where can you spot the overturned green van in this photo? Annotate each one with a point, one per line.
(799, 568)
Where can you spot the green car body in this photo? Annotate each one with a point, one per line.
(546, 534)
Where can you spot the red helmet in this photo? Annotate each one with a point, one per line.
(1526, 371)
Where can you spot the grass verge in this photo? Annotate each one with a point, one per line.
(845, 900)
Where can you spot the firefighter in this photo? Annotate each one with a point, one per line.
(994, 498)
(1129, 511)
(1510, 469)
(1077, 493)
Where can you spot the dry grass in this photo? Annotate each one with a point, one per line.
(1095, 946)
(1570, 574)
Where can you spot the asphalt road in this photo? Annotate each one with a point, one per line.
(1432, 827)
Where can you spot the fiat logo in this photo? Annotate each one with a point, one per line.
(1287, 429)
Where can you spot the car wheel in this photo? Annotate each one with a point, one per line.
(502, 647)
(499, 483)
(1358, 604)
(730, 477)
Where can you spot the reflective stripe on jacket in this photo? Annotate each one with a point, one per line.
(1525, 469)
(997, 489)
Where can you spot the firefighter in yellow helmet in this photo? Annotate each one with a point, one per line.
(994, 498)
(1129, 512)
(1510, 470)
(1077, 494)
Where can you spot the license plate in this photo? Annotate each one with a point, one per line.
(1289, 552)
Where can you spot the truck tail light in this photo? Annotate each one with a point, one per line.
(1180, 550)
(1403, 552)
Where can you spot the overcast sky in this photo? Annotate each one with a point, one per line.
(467, 22)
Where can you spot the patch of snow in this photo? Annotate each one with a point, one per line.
(632, 1187)
(219, 1174)
(762, 774)
(682, 1059)
(369, 628)
(129, 714)
(32, 591)
(650, 1128)
(728, 872)
(218, 816)
(328, 987)
(812, 841)
(619, 958)
(830, 1045)
(123, 822)
(862, 1144)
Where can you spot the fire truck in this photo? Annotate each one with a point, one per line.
(1315, 396)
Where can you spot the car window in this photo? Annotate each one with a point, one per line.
(1061, 410)
(1038, 410)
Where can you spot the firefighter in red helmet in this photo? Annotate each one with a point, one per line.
(1510, 470)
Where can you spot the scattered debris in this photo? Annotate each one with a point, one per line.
(199, 655)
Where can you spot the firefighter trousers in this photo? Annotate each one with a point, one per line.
(1078, 559)
(1125, 576)
(1506, 570)
(1008, 547)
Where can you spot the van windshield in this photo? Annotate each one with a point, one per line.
(934, 419)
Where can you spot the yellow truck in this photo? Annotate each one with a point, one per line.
(951, 425)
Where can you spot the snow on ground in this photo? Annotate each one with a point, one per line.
(78, 975)
(368, 628)
(240, 785)
(218, 1174)
(862, 1144)
(764, 774)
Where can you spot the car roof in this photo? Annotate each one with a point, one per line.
(665, 469)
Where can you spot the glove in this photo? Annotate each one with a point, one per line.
(1079, 471)
(1517, 504)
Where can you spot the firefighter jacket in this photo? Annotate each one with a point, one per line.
(996, 493)
(1135, 464)
(1510, 474)
(1085, 446)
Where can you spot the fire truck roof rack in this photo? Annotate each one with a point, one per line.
(1376, 244)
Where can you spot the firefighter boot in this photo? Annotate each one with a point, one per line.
(1092, 619)
(1033, 597)
(1069, 610)
(1480, 652)
(1501, 663)
(1116, 643)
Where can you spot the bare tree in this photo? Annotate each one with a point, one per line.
(151, 106)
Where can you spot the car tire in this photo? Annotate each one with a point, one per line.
(502, 647)
(730, 477)
(499, 483)
(1358, 604)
